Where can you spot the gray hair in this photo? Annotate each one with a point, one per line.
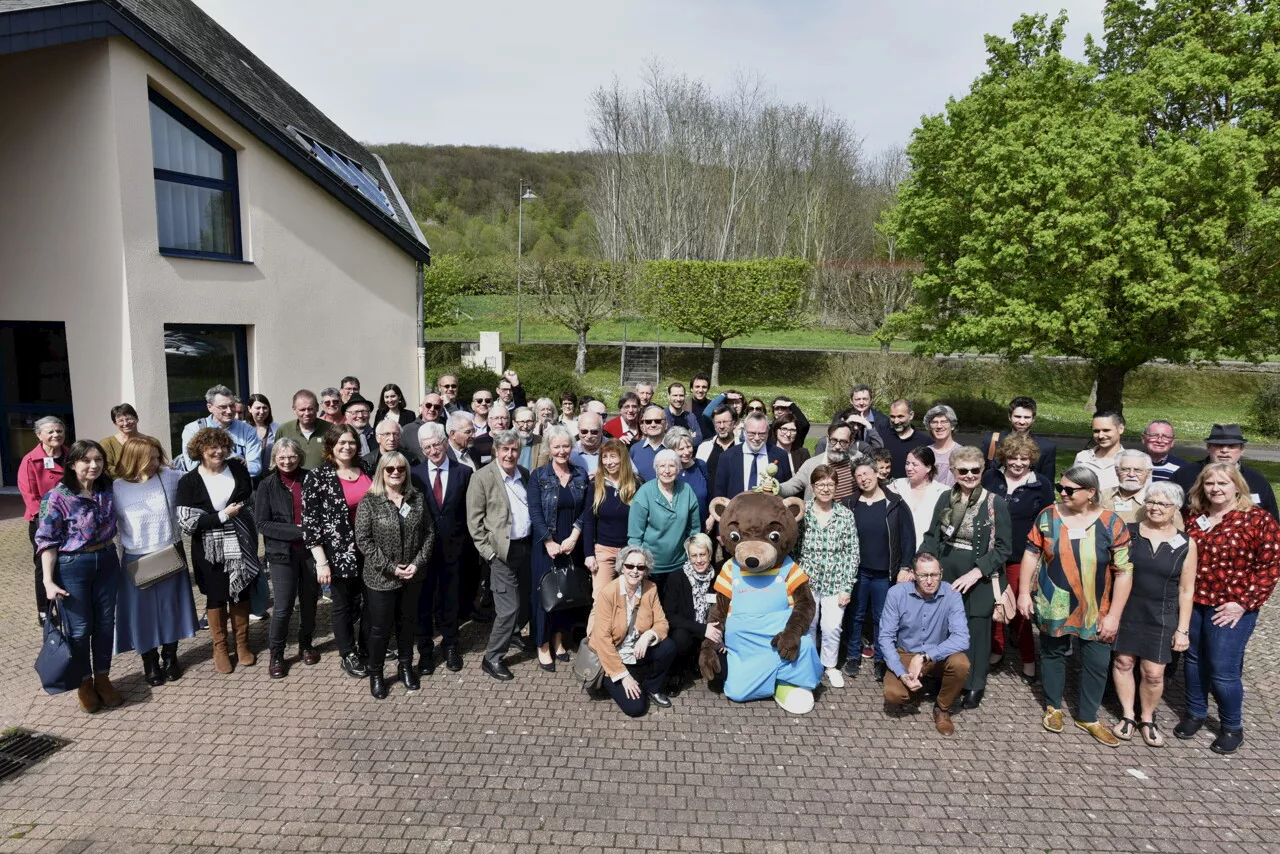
(666, 455)
(378, 486)
(327, 392)
(941, 410)
(284, 443)
(517, 415)
(675, 436)
(458, 420)
(502, 438)
(218, 391)
(430, 431)
(1168, 490)
(1134, 454)
(390, 423)
(498, 408)
(1085, 477)
(556, 431)
(627, 551)
(545, 401)
(47, 421)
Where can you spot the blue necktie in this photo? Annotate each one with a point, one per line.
(754, 480)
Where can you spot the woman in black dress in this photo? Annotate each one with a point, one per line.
(1157, 618)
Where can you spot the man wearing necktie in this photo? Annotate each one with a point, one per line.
(742, 467)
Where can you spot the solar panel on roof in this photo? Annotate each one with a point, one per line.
(352, 173)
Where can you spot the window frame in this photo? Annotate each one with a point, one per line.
(231, 184)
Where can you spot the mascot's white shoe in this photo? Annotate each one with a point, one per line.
(797, 701)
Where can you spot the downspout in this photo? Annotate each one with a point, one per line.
(422, 336)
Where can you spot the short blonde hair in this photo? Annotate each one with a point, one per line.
(698, 540)
(378, 485)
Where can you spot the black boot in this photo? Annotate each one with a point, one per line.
(377, 683)
(169, 661)
(151, 668)
(406, 676)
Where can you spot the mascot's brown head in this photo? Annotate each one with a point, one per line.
(758, 529)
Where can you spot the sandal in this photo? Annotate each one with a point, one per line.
(1150, 734)
(1124, 729)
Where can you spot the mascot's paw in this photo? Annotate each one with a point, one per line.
(797, 701)
(788, 647)
(709, 664)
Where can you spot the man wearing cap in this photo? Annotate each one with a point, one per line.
(356, 411)
(1226, 445)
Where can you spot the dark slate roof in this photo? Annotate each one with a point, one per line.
(194, 46)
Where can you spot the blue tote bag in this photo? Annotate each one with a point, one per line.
(56, 663)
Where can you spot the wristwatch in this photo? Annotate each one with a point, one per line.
(928, 659)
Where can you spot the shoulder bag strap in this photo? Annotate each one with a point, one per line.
(991, 449)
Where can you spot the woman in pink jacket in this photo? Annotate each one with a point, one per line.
(39, 472)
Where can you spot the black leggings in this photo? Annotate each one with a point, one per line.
(350, 628)
(294, 580)
(392, 613)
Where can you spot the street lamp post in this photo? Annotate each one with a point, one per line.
(525, 193)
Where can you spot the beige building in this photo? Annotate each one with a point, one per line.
(173, 216)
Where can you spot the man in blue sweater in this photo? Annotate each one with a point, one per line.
(923, 630)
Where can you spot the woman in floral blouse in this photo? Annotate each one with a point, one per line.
(1239, 550)
(827, 550)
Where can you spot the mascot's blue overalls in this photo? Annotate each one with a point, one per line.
(759, 607)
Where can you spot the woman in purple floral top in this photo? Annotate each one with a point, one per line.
(81, 568)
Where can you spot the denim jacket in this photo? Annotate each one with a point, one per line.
(544, 500)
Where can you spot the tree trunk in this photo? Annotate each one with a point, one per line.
(1110, 379)
(715, 363)
(580, 365)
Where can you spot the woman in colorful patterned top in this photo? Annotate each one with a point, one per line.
(827, 550)
(75, 543)
(1077, 568)
(1239, 550)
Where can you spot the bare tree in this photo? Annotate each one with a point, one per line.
(578, 294)
(861, 295)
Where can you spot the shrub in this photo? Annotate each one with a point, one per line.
(890, 375)
(469, 380)
(1264, 409)
(543, 379)
(975, 413)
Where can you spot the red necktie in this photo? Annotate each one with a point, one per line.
(437, 490)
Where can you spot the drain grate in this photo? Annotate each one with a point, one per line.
(20, 749)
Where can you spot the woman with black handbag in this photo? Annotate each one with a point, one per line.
(155, 607)
(558, 505)
(212, 502)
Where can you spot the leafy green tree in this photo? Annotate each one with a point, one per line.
(1121, 210)
(578, 294)
(720, 300)
(442, 282)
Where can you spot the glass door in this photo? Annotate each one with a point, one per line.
(197, 358)
(35, 381)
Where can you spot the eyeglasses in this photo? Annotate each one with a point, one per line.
(430, 406)
(652, 420)
(928, 576)
(482, 400)
(1068, 491)
(755, 409)
(588, 432)
(1161, 504)
(327, 404)
(639, 566)
(825, 485)
(838, 443)
(1158, 437)
(395, 469)
(968, 471)
(448, 385)
(1128, 470)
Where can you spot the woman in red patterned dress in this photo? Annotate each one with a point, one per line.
(1239, 549)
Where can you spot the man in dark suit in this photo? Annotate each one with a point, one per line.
(431, 412)
(387, 434)
(860, 400)
(742, 467)
(357, 412)
(498, 522)
(1022, 417)
(461, 445)
(1226, 445)
(447, 388)
(444, 483)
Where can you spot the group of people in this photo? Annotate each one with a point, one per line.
(928, 559)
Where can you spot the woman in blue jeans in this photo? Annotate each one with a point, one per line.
(886, 546)
(1238, 544)
(75, 542)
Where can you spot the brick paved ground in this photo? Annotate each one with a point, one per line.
(312, 763)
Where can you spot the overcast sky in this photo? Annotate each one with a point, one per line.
(519, 73)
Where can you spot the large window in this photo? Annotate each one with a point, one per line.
(197, 358)
(197, 203)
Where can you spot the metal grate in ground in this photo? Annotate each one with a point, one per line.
(20, 749)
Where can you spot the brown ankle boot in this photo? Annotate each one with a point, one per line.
(110, 696)
(240, 625)
(89, 699)
(218, 631)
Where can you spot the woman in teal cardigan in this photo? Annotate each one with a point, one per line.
(664, 513)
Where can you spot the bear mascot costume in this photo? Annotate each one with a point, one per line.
(764, 602)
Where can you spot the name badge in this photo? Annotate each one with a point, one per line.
(1203, 522)
(1122, 505)
(1253, 496)
(949, 530)
(49, 463)
(1177, 541)
(405, 510)
(711, 598)
(1076, 533)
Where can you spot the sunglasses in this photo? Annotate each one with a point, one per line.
(756, 408)
(652, 420)
(482, 400)
(640, 566)
(395, 469)
(328, 403)
(430, 406)
(448, 385)
(588, 432)
(969, 471)
(1068, 491)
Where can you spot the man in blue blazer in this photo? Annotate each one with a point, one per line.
(444, 482)
(742, 467)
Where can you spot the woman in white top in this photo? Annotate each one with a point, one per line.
(153, 619)
(919, 489)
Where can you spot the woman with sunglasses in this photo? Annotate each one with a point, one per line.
(1076, 577)
(629, 634)
(395, 533)
(971, 535)
(755, 404)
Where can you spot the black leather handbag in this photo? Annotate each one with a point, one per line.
(566, 585)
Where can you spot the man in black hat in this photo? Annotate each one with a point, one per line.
(1226, 445)
(357, 411)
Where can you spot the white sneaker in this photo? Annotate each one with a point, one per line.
(835, 678)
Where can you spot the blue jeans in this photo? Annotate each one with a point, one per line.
(91, 581)
(869, 592)
(1214, 663)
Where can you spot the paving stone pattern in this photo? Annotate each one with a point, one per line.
(468, 764)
